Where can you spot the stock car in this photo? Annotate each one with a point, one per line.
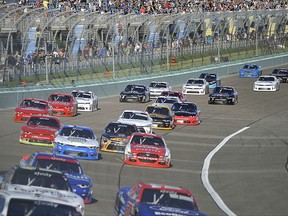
(37, 202)
(281, 74)
(63, 104)
(69, 165)
(39, 130)
(178, 94)
(78, 141)
(195, 86)
(186, 113)
(157, 87)
(135, 92)
(146, 199)
(223, 94)
(267, 83)
(31, 106)
(162, 116)
(86, 100)
(212, 78)
(115, 136)
(40, 181)
(250, 70)
(141, 119)
(146, 149)
(166, 101)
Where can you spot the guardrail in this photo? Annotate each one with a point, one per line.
(11, 97)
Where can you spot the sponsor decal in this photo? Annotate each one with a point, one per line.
(169, 211)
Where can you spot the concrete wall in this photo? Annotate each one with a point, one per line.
(10, 98)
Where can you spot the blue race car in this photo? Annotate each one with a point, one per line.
(212, 78)
(70, 166)
(78, 141)
(250, 70)
(146, 199)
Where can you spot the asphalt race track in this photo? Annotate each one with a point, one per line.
(247, 174)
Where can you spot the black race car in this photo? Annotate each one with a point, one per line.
(134, 92)
(281, 74)
(223, 94)
(162, 117)
(212, 78)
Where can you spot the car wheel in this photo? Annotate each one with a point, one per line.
(121, 99)
(210, 101)
(143, 99)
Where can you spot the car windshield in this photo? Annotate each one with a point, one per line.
(132, 115)
(184, 107)
(158, 110)
(266, 79)
(59, 165)
(158, 85)
(168, 198)
(60, 98)
(135, 88)
(147, 140)
(250, 67)
(166, 100)
(40, 179)
(77, 132)
(223, 90)
(42, 121)
(126, 130)
(25, 207)
(82, 95)
(195, 81)
(33, 104)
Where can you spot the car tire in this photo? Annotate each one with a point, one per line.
(121, 99)
(210, 101)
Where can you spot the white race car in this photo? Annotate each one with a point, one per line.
(32, 201)
(157, 87)
(267, 83)
(141, 119)
(196, 86)
(166, 101)
(87, 100)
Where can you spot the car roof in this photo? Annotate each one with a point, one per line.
(147, 134)
(76, 126)
(37, 169)
(165, 187)
(61, 157)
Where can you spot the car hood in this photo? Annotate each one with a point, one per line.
(137, 122)
(148, 148)
(185, 113)
(60, 103)
(132, 93)
(76, 141)
(40, 129)
(158, 116)
(193, 85)
(75, 178)
(151, 209)
(158, 89)
(84, 100)
(114, 135)
(265, 82)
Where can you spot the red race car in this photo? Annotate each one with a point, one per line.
(39, 130)
(186, 113)
(63, 104)
(31, 106)
(145, 149)
(178, 94)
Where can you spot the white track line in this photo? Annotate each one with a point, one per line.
(205, 173)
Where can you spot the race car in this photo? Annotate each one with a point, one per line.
(31, 106)
(86, 100)
(39, 130)
(146, 149)
(178, 94)
(162, 117)
(21, 201)
(115, 136)
(250, 70)
(223, 94)
(195, 86)
(186, 113)
(78, 141)
(141, 119)
(146, 199)
(63, 104)
(69, 165)
(157, 87)
(281, 74)
(166, 101)
(267, 83)
(212, 78)
(135, 92)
